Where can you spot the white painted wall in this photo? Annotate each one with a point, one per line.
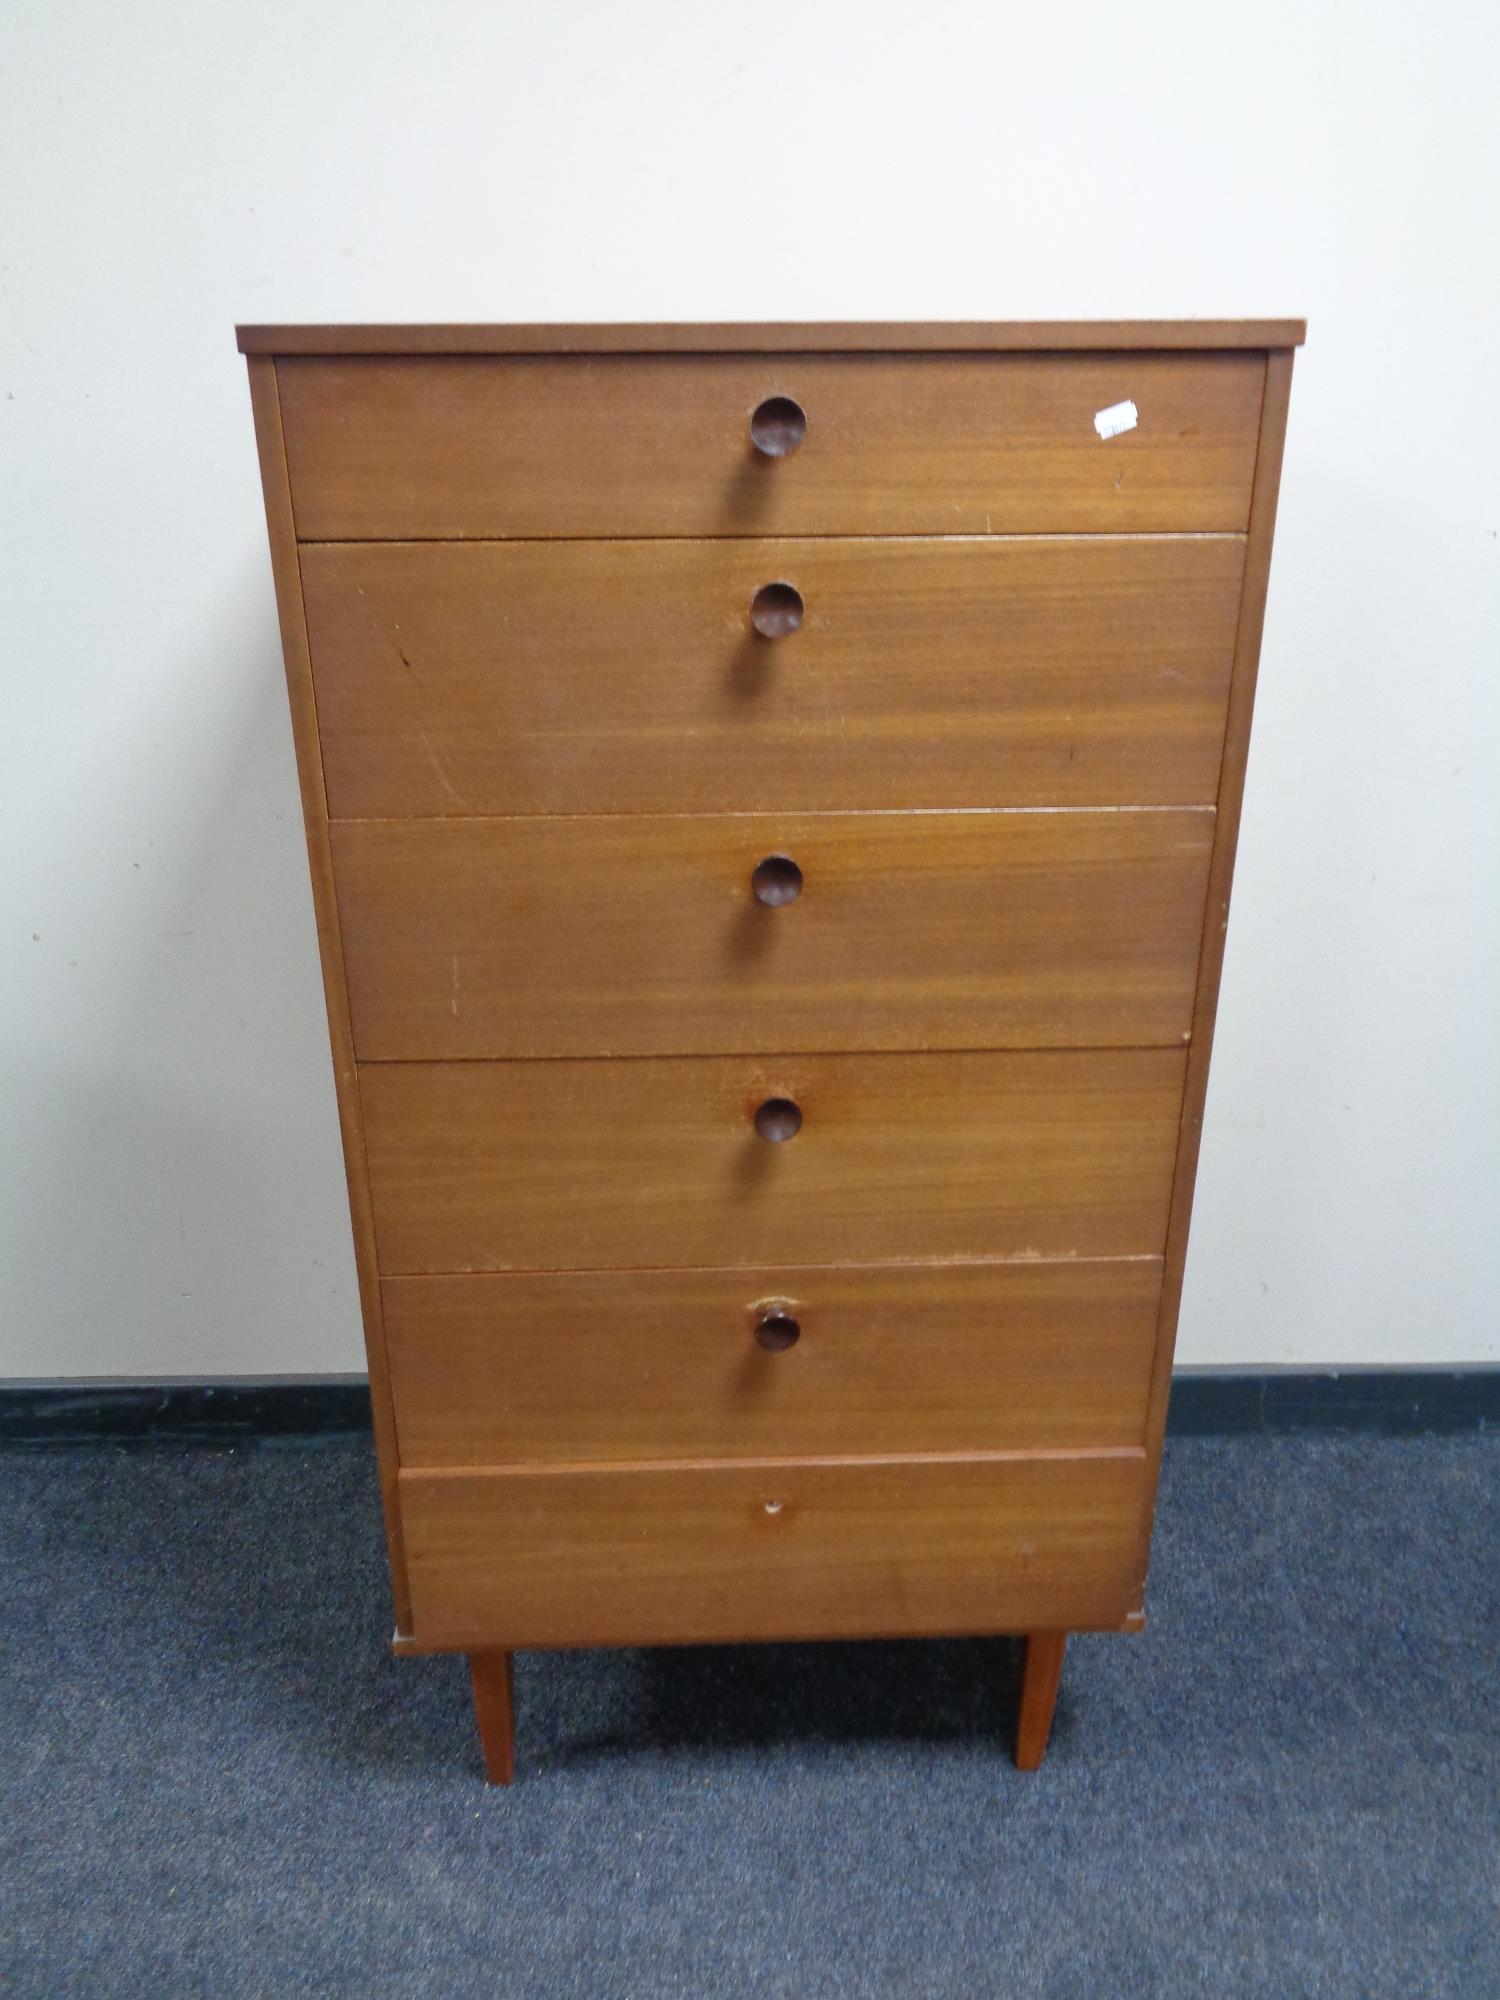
(174, 1199)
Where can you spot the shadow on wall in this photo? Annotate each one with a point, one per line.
(181, 1206)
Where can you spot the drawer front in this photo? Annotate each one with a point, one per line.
(649, 936)
(895, 444)
(791, 1550)
(777, 1362)
(628, 676)
(581, 1165)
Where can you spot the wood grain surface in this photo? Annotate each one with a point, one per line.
(648, 1555)
(1221, 876)
(580, 1165)
(686, 337)
(733, 1271)
(644, 936)
(887, 1358)
(577, 677)
(658, 445)
(304, 715)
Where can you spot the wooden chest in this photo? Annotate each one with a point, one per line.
(771, 795)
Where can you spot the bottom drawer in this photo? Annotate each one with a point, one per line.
(790, 1549)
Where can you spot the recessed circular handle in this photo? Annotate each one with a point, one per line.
(778, 1120)
(776, 610)
(777, 426)
(777, 1331)
(776, 880)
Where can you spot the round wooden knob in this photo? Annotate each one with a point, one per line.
(777, 1331)
(776, 610)
(777, 426)
(776, 880)
(778, 1120)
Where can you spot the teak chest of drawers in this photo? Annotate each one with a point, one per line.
(771, 794)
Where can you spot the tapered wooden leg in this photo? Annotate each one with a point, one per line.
(1041, 1671)
(493, 1675)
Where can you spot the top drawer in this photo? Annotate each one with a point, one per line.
(449, 447)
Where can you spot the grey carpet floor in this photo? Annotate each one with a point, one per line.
(217, 1782)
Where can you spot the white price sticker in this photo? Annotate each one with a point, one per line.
(1117, 418)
